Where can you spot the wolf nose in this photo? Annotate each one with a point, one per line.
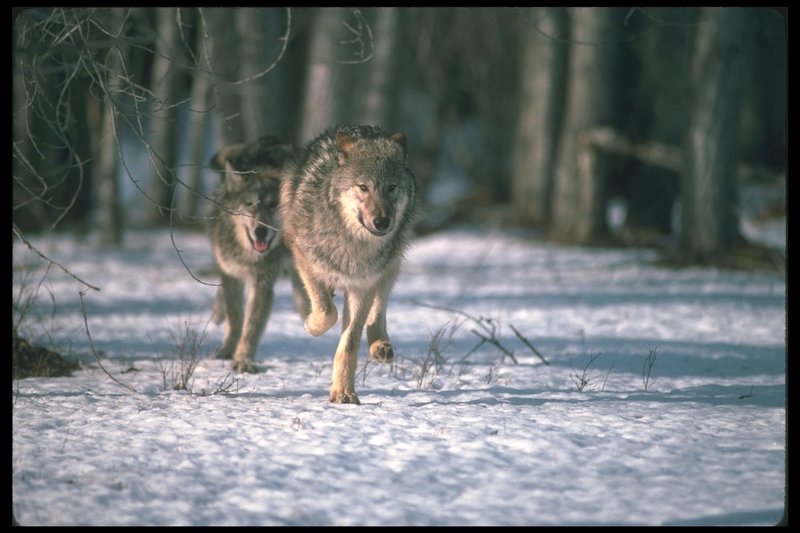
(261, 233)
(381, 223)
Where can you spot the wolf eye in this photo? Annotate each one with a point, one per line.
(363, 187)
(392, 187)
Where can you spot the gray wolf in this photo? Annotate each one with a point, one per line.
(245, 232)
(348, 205)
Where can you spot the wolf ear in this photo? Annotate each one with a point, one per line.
(217, 162)
(233, 178)
(345, 143)
(219, 159)
(400, 138)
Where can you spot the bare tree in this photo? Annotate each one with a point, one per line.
(495, 75)
(286, 64)
(659, 115)
(378, 104)
(197, 126)
(50, 148)
(167, 82)
(32, 139)
(579, 196)
(340, 38)
(217, 24)
(111, 81)
(764, 115)
(254, 46)
(241, 89)
(242, 95)
(543, 67)
(710, 222)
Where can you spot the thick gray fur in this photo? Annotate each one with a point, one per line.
(348, 205)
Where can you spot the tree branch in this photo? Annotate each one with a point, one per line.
(19, 234)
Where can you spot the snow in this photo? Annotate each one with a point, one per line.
(463, 438)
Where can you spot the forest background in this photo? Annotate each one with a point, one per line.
(623, 125)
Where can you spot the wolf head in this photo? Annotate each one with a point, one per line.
(371, 182)
(250, 191)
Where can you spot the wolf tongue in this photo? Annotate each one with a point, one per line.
(260, 246)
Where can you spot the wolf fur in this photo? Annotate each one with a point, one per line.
(245, 231)
(348, 206)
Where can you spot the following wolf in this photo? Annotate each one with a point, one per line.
(348, 205)
(245, 231)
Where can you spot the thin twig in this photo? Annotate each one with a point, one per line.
(445, 308)
(606, 378)
(94, 351)
(19, 234)
(487, 324)
(493, 340)
(528, 344)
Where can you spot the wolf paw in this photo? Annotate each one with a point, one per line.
(381, 351)
(318, 323)
(224, 354)
(245, 366)
(344, 397)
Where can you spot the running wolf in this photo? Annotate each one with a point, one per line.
(348, 206)
(245, 232)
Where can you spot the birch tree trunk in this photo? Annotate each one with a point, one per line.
(254, 56)
(710, 222)
(323, 98)
(109, 210)
(166, 87)
(198, 127)
(579, 191)
(225, 97)
(543, 82)
(379, 103)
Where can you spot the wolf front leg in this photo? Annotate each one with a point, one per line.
(380, 348)
(256, 314)
(230, 297)
(323, 313)
(343, 383)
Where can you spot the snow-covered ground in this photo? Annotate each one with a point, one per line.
(663, 403)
